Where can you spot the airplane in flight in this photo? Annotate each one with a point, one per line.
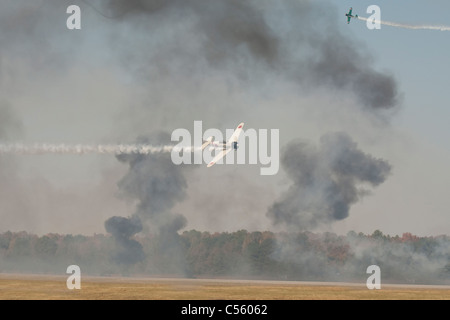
(350, 16)
(226, 146)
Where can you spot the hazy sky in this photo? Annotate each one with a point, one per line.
(140, 66)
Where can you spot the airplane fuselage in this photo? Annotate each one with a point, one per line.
(350, 16)
(224, 145)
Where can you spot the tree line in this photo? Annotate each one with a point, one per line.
(240, 254)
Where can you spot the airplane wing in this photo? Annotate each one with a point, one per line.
(349, 15)
(218, 157)
(236, 133)
(207, 142)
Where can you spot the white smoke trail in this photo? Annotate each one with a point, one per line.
(115, 149)
(408, 26)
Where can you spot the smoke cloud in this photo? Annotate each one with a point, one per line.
(247, 39)
(326, 181)
(170, 57)
(128, 251)
(156, 184)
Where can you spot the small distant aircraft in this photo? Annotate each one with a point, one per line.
(226, 146)
(349, 15)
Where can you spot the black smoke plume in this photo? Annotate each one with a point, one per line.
(327, 181)
(156, 184)
(248, 37)
(128, 251)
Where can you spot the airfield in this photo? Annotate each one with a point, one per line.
(51, 287)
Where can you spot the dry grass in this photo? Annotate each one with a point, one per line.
(37, 287)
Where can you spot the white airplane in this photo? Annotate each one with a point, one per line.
(226, 146)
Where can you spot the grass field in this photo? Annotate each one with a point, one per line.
(35, 287)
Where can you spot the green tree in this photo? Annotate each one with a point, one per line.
(377, 234)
